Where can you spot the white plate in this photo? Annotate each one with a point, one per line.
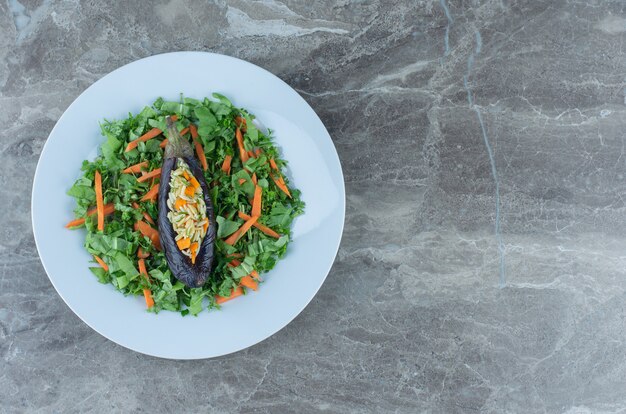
(314, 168)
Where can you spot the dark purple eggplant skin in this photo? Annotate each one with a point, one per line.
(192, 275)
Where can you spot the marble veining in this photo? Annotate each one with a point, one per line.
(482, 266)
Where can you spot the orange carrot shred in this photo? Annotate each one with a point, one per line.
(184, 131)
(137, 168)
(260, 226)
(154, 173)
(254, 180)
(248, 282)
(145, 213)
(240, 122)
(242, 180)
(151, 194)
(256, 203)
(242, 151)
(99, 200)
(163, 143)
(242, 230)
(142, 254)
(146, 230)
(147, 294)
(154, 132)
(108, 209)
(280, 183)
(235, 292)
(198, 145)
(226, 164)
(101, 263)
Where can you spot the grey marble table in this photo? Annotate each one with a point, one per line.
(483, 263)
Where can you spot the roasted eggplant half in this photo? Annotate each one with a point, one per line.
(186, 219)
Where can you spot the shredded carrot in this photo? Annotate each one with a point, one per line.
(101, 263)
(257, 152)
(242, 230)
(260, 226)
(108, 209)
(242, 180)
(248, 282)
(254, 180)
(154, 132)
(236, 255)
(154, 173)
(226, 164)
(251, 154)
(151, 194)
(256, 202)
(145, 214)
(99, 200)
(273, 164)
(242, 151)
(142, 254)
(240, 122)
(235, 292)
(184, 131)
(134, 169)
(163, 143)
(198, 145)
(280, 183)
(146, 230)
(174, 117)
(147, 294)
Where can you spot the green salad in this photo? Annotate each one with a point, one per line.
(116, 202)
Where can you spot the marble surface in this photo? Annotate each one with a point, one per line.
(482, 267)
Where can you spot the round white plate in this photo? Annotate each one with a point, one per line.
(314, 168)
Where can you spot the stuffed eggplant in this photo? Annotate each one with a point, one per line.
(186, 218)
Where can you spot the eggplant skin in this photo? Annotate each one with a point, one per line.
(192, 275)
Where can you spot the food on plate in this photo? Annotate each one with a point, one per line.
(187, 204)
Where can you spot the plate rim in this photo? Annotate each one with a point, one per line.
(301, 306)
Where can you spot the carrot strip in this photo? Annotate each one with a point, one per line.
(273, 164)
(257, 152)
(235, 292)
(101, 263)
(184, 131)
(280, 183)
(163, 143)
(154, 173)
(146, 230)
(154, 132)
(145, 214)
(254, 180)
(147, 294)
(134, 169)
(226, 164)
(248, 282)
(108, 209)
(99, 201)
(151, 194)
(251, 154)
(240, 122)
(260, 226)
(256, 202)
(198, 145)
(142, 254)
(242, 151)
(242, 230)
(242, 180)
